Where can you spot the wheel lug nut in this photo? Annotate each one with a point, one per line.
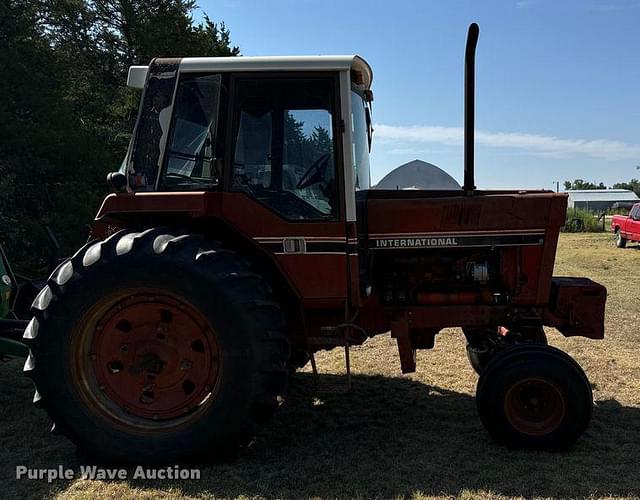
(124, 347)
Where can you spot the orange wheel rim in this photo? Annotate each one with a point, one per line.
(148, 357)
(535, 406)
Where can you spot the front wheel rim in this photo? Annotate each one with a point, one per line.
(535, 406)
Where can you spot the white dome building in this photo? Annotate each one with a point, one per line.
(417, 174)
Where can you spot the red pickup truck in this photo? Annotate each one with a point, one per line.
(627, 228)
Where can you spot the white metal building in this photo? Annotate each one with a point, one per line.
(599, 200)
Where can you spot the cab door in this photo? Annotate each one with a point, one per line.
(285, 176)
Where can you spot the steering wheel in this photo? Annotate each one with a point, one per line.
(314, 173)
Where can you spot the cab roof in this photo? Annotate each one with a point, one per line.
(272, 63)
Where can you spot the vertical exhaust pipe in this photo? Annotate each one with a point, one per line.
(469, 107)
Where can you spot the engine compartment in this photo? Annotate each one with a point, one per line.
(452, 276)
(444, 248)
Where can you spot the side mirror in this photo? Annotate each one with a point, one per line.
(118, 181)
(137, 76)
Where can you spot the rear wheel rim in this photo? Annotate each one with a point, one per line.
(147, 360)
(535, 406)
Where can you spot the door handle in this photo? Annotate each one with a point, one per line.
(294, 245)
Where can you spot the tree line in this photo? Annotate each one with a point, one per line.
(66, 114)
(632, 185)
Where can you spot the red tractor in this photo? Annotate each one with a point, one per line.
(243, 236)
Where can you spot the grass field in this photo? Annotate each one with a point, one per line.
(395, 436)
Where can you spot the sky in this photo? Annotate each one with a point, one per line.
(557, 82)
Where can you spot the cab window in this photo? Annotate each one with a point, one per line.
(361, 139)
(284, 145)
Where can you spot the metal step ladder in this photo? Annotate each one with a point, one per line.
(329, 337)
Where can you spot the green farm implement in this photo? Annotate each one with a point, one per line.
(16, 295)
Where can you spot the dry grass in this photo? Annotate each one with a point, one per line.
(395, 436)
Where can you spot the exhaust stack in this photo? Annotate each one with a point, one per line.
(469, 107)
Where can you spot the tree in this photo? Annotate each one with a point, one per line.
(632, 185)
(66, 115)
(581, 184)
(321, 140)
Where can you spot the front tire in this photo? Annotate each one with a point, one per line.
(151, 347)
(534, 396)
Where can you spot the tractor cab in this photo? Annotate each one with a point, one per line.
(287, 131)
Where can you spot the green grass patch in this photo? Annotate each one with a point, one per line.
(582, 221)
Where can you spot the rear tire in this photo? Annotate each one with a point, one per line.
(621, 242)
(149, 347)
(534, 396)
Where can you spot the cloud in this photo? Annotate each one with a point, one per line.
(545, 145)
(524, 4)
(407, 151)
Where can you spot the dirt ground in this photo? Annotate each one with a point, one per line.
(394, 436)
